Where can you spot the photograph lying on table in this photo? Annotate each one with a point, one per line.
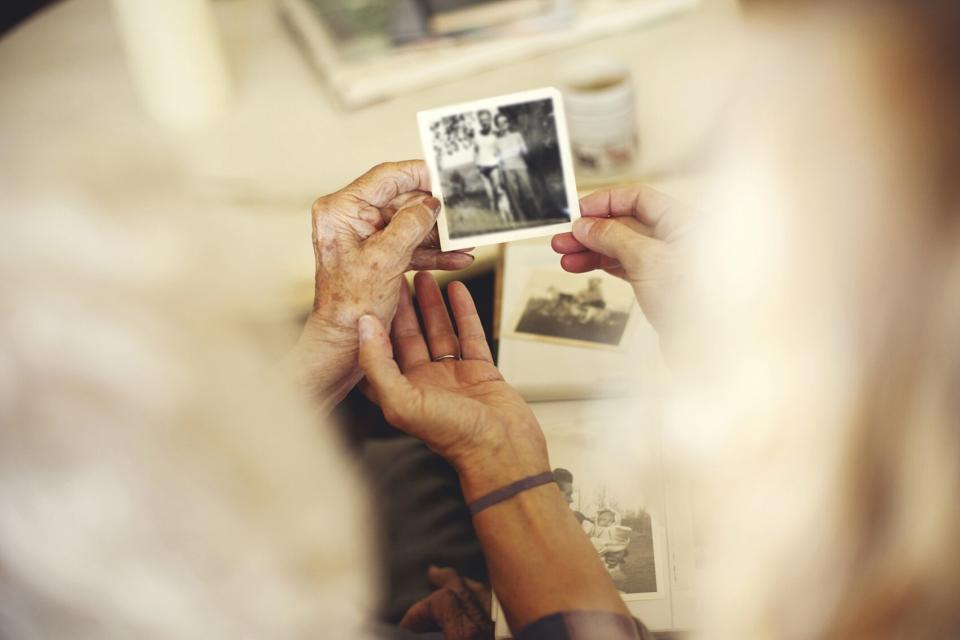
(501, 167)
(612, 516)
(576, 309)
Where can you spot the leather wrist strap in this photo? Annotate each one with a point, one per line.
(505, 493)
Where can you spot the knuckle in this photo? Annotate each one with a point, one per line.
(319, 206)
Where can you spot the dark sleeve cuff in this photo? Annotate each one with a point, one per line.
(585, 625)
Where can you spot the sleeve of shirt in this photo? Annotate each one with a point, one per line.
(585, 625)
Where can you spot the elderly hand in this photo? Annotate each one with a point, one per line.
(365, 237)
(460, 608)
(632, 233)
(462, 409)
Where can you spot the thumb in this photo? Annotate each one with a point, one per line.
(381, 370)
(408, 228)
(605, 236)
(610, 237)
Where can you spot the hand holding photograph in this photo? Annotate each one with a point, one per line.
(501, 168)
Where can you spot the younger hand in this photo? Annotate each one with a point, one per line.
(633, 233)
(461, 408)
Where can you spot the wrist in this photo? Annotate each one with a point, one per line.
(509, 457)
(324, 360)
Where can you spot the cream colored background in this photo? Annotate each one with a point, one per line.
(72, 130)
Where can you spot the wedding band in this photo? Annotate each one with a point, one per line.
(446, 357)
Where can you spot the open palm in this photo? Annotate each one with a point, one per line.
(441, 386)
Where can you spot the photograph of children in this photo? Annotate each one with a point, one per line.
(591, 310)
(501, 167)
(615, 521)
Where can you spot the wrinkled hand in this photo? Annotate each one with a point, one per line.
(462, 409)
(460, 608)
(365, 237)
(632, 233)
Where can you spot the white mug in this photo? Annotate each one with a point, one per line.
(599, 99)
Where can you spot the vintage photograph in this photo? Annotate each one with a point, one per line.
(588, 310)
(501, 167)
(612, 514)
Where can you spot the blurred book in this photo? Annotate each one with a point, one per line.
(371, 50)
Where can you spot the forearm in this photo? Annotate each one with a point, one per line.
(539, 559)
(324, 364)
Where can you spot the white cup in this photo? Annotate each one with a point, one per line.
(175, 57)
(599, 99)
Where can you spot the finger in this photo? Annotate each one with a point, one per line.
(337, 208)
(587, 261)
(407, 230)
(472, 598)
(469, 602)
(434, 259)
(376, 360)
(368, 391)
(408, 343)
(660, 212)
(386, 181)
(431, 240)
(620, 241)
(402, 201)
(421, 618)
(447, 577)
(473, 341)
(566, 243)
(441, 339)
(441, 577)
(481, 592)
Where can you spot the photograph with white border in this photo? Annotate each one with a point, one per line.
(501, 167)
(583, 310)
(612, 450)
(612, 512)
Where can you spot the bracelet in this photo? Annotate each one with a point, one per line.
(505, 493)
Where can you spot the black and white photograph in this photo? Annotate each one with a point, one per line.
(501, 167)
(588, 310)
(611, 512)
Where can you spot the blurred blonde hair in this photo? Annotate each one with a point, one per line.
(157, 480)
(827, 331)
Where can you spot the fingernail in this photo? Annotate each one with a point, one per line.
(366, 327)
(432, 203)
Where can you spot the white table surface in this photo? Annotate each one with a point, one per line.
(72, 130)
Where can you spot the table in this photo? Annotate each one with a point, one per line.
(72, 131)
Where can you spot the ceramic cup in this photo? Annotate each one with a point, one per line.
(599, 100)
